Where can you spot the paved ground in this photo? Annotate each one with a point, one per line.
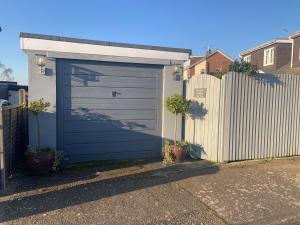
(256, 192)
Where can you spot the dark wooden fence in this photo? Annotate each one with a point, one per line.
(13, 140)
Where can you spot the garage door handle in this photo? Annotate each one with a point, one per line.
(114, 93)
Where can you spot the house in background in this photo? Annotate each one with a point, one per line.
(12, 92)
(295, 56)
(269, 56)
(277, 56)
(187, 64)
(211, 63)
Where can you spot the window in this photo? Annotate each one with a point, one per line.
(269, 56)
(247, 58)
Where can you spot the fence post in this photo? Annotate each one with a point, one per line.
(11, 144)
(2, 156)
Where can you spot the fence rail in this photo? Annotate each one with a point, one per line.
(258, 116)
(13, 140)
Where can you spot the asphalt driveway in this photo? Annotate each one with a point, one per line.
(256, 192)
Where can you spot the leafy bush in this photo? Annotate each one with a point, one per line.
(38, 106)
(243, 67)
(186, 146)
(219, 74)
(168, 155)
(58, 157)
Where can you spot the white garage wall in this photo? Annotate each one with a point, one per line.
(170, 87)
(44, 86)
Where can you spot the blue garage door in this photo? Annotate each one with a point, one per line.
(108, 111)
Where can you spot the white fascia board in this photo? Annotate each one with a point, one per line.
(295, 34)
(72, 47)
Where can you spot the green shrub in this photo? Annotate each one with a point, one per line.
(243, 67)
(168, 155)
(186, 146)
(219, 74)
(58, 157)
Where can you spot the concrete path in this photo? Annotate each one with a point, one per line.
(257, 192)
(261, 192)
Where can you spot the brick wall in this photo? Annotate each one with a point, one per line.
(296, 57)
(217, 62)
(282, 56)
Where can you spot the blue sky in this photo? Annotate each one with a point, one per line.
(232, 25)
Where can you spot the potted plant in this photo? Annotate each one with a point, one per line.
(39, 160)
(176, 104)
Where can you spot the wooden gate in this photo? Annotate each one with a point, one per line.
(202, 125)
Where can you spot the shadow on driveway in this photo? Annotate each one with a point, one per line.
(22, 181)
(96, 187)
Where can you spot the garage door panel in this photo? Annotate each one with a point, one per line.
(106, 92)
(96, 103)
(102, 137)
(97, 126)
(143, 154)
(113, 147)
(109, 110)
(112, 69)
(108, 81)
(109, 114)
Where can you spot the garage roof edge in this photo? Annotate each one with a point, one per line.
(105, 43)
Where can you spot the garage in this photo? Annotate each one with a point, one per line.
(109, 110)
(106, 98)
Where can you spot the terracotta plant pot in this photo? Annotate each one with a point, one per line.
(40, 162)
(179, 153)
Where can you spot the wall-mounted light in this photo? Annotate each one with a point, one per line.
(41, 62)
(177, 73)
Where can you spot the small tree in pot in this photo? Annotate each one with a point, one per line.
(36, 107)
(39, 160)
(176, 104)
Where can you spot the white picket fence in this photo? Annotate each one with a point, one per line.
(240, 117)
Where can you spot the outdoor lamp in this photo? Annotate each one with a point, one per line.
(41, 62)
(177, 72)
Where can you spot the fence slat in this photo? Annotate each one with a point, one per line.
(13, 139)
(248, 117)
